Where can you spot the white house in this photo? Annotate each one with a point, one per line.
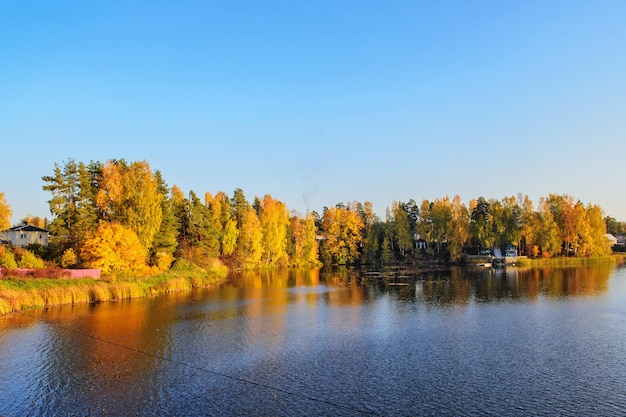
(25, 234)
(611, 239)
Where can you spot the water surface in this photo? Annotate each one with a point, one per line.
(465, 342)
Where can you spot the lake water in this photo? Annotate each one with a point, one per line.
(543, 342)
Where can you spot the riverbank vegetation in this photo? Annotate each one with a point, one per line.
(18, 293)
(123, 219)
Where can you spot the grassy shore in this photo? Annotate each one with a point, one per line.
(571, 261)
(18, 294)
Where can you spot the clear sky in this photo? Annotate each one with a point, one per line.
(320, 102)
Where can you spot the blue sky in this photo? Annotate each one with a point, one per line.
(320, 102)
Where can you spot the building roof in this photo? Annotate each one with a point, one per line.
(28, 228)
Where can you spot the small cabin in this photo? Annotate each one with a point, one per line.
(26, 234)
(510, 251)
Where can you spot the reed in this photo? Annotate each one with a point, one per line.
(563, 261)
(5, 307)
(20, 293)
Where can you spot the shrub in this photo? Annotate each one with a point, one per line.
(69, 258)
(7, 259)
(29, 260)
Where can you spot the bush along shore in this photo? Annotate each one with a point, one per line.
(19, 293)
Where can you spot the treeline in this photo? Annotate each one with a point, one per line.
(123, 217)
(449, 230)
(120, 216)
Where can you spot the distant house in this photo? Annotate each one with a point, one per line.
(24, 235)
(420, 243)
(611, 239)
(510, 251)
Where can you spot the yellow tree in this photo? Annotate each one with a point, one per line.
(600, 245)
(274, 223)
(582, 242)
(547, 233)
(113, 248)
(304, 243)
(401, 226)
(5, 213)
(458, 230)
(34, 221)
(129, 195)
(249, 247)
(229, 238)
(528, 228)
(562, 208)
(215, 206)
(342, 229)
(435, 222)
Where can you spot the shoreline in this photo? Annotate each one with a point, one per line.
(26, 293)
(19, 294)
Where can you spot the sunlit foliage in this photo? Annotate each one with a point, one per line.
(129, 194)
(5, 213)
(69, 258)
(249, 241)
(113, 248)
(401, 228)
(28, 259)
(305, 248)
(7, 258)
(91, 202)
(274, 220)
(342, 229)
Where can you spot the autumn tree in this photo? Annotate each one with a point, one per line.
(562, 209)
(600, 244)
(547, 233)
(113, 248)
(225, 225)
(458, 229)
(274, 219)
(129, 195)
(527, 228)
(434, 223)
(401, 228)
(342, 228)
(512, 221)
(229, 237)
(35, 221)
(305, 248)
(582, 242)
(249, 240)
(214, 205)
(5, 213)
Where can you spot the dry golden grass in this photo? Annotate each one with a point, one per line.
(18, 294)
(5, 307)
